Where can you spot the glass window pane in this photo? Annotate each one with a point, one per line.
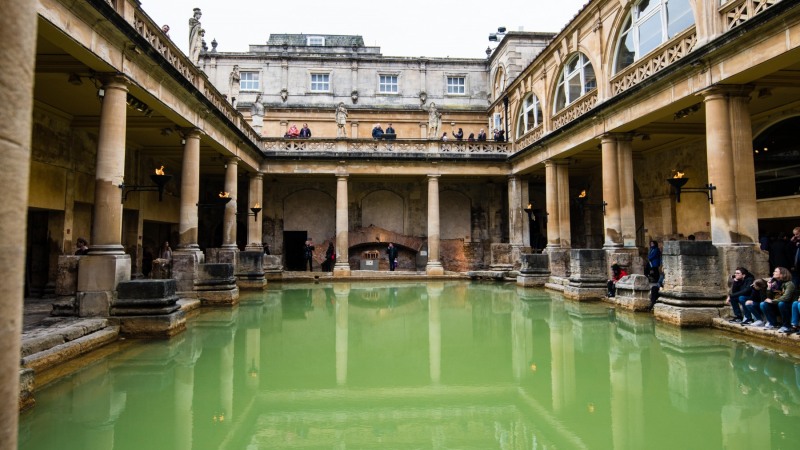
(589, 79)
(645, 6)
(679, 16)
(575, 89)
(649, 34)
(626, 53)
(530, 119)
(572, 65)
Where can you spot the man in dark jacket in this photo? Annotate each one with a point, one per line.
(391, 253)
(305, 132)
(377, 131)
(308, 255)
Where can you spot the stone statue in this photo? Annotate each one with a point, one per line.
(233, 85)
(434, 121)
(341, 121)
(196, 33)
(258, 108)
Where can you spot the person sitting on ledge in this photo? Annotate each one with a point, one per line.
(617, 272)
(377, 131)
(741, 290)
(293, 132)
(305, 132)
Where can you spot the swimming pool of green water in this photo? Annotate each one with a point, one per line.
(454, 365)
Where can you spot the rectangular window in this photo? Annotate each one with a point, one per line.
(248, 81)
(387, 84)
(456, 85)
(320, 82)
(315, 41)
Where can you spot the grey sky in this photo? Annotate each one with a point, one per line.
(406, 28)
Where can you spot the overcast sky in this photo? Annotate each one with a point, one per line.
(430, 28)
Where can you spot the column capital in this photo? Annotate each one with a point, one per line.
(615, 137)
(233, 160)
(257, 176)
(433, 175)
(724, 90)
(191, 132)
(556, 162)
(115, 80)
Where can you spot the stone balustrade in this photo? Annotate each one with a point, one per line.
(444, 149)
(737, 12)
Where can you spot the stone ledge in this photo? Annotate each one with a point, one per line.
(759, 332)
(58, 332)
(53, 356)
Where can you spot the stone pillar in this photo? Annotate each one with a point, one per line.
(557, 214)
(612, 222)
(110, 171)
(534, 270)
(18, 31)
(434, 266)
(423, 130)
(107, 264)
(517, 218)
(229, 217)
(627, 203)
(342, 266)
(693, 292)
(588, 275)
(729, 142)
(354, 129)
(342, 293)
(255, 226)
(188, 256)
(526, 221)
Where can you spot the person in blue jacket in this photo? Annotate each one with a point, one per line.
(654, 261)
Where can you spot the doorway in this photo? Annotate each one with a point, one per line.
(293, 247)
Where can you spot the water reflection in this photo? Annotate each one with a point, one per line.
(437, 365)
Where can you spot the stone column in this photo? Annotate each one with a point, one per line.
(110, 171)
(729, 147)
(515, 212)
(187, 255)
(557, 216)
(190, 192)
(354, 129)
(423, 130)
(107, 264)
(255, 226)
(526, 222)
(18, 31)
(342, 266)
(612, 222)
(627, 204)
(434, 266)
(229, 218)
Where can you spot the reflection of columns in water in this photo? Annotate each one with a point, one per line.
(342, 293)
(434, 266)
(107, 217)
(562, 351)
(229, 218)
(226, 378)
(252, 356)
(521, 339)
(627, 399)
(184, 399)
(435, 331)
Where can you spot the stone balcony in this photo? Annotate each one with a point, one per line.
(390, 149)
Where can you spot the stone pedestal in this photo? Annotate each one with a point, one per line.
(534, 270)
(162, 269)
(627, 258)
(185, 265)
(693, 291)
(223, 255)
(272, 267)
(501, 257)
(216, 285)
(66, 286)
(587, 280)
(250, 270)
(98, 277)
(148, 309)
(633, 293)
(559, 268)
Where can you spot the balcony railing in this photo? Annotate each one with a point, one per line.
(388, 148)
(737, 12)
(580, 107)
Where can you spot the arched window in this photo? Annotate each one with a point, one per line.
(499, 82)
(576, 79)
(649, 24)
(530, 116)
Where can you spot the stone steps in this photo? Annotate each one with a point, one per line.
(56, 340)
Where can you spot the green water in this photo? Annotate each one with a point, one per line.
(419, 366)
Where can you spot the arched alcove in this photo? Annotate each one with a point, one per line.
(383, 209)
(454, 215)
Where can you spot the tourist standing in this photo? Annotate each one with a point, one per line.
(330, 257)
(305, 132)
(391, 253)
(308, 255)
(654, 261)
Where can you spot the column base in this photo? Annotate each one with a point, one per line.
(184, 270)
(532, 280)
(341, 270)
(434, 269)
(98, 277)
(685, 316)
(153, 327)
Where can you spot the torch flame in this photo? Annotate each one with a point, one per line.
(257, 205)
(678, 174)
(224, 194)
(583, 194)
(160, 171)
